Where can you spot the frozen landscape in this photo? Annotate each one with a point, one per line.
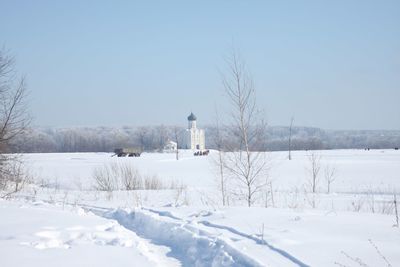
(183, 222)
(199, 133)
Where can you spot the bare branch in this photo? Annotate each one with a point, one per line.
(14, 120)
(247, 166)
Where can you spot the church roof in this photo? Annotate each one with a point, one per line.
(192, 117)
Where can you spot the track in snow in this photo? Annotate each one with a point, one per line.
(236, 232)
(188, 244)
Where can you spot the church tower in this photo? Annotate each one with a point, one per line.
(195, 139)
(192, 121)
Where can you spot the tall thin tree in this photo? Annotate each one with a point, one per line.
(290, 138)
(176, 137)
(247, 166)
(222, 179)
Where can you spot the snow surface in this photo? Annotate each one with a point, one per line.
(65, 222)
(358, 170)
(39, 234)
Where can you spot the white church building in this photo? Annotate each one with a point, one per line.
(194, 137)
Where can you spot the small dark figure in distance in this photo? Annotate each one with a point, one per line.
(201, 153)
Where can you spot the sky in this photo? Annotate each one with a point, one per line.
(328, 64)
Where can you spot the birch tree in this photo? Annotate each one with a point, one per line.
(222, 178)
(246, 166)
(314, 169)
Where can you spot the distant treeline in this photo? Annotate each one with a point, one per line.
(154, 138)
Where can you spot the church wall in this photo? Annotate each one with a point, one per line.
(194, 136)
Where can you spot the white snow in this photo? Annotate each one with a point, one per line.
(40, 234)
(358, 170)
(62, 221)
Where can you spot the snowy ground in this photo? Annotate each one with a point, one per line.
(63, 221)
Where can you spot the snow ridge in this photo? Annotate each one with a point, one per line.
(237, 232)
(191, 246)
(258, 241)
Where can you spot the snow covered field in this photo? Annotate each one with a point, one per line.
(62, 220)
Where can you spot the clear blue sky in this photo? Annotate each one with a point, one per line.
(331, 64)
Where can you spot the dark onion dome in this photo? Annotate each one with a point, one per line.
(192, 117)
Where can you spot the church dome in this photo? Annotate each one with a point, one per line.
(192, 117)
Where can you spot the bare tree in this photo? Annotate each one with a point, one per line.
(220, 161)
(131, 178)
(247, 166)
(14, 120)
(330, 176)
(290, 137)
(141, 134)
(161, 137)
(314, 169)
(107, 178)
(395, 211)
(176, 137)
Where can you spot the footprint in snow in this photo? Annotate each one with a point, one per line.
(109, 234)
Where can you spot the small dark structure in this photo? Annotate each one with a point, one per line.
(202, 153)
(396, 148)
(130, 152)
